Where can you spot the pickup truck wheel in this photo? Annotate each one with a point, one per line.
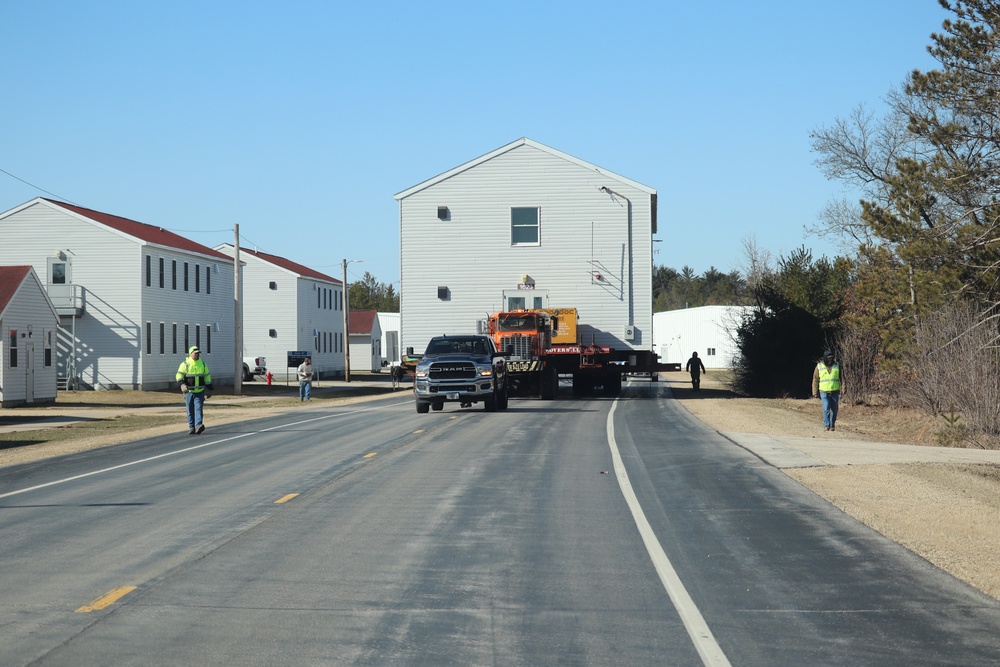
(503, 399)
(490, 402)
(423, 408)
(246, 373)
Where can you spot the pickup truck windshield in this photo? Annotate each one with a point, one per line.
(457, 346)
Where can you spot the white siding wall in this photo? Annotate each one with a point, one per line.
(200, 309)
(322, 311)
(582, 230)
(677, 333)
(28, 307)
(110, 270)
(296, 307)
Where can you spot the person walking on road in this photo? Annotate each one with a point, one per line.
(194, 379)
(305, 373)
(695, 368)
(827, 383)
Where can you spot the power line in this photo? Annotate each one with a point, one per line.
(18, 178)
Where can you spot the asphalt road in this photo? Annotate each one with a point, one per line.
(574, 532)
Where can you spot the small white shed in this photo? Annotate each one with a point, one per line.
(708, 330)
(365, 340)
(28, 321)
(392, 352)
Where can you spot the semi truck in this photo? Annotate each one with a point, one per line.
(545, 345)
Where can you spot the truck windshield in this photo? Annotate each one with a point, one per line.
(516, 322)
(457, 346)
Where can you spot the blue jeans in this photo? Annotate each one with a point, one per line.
(831, 403)
(304, 389)
(194, 401)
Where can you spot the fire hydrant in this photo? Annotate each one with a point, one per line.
(268, 377)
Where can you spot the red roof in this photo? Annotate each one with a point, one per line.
(290, 265)
(361, 321)
(11, 278)
(140, 230)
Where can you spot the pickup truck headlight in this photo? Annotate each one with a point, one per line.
(485, 371)
(421, 372)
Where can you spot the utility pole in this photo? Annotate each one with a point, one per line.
(347, 336)
(238, 319)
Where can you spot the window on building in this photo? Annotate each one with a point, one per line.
(197, 335)
(149, 338)
(47, 344)
(173, 274)
(12, 347)
(174, 338)
(524, 226)
(163, 337)
(710, 352)
(319, 297)
(208, 339)
(197, 279)
(161, 273)
(208, 280)
(185, 276)
(515, 303)
(187, 339)
(149, 271)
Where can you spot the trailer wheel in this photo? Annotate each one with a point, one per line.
(550, 384)
(612, 384)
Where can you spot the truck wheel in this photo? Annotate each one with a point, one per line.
(503, 399)
(423, 408)
(612, 384)
(490, 402)
(581, 384)
(550, 384)
(246, 373)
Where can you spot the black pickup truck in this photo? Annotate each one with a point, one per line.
(462, 369)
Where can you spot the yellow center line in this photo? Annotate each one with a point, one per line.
(107, 599)
(285, 499)
(369, 455)
(419, 430)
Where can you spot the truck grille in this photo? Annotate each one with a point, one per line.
(522, 346)
(461, 370)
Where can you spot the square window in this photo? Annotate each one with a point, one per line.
(524, 226)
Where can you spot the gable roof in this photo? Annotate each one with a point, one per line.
(524, 141)
(11, 279)
(286, 264)
(138, 230)
(361, 321)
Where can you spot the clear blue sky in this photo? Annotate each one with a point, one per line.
(301, 120)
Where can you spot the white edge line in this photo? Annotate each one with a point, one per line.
(701, 635)
(182, 451)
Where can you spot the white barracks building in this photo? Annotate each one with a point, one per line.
(527, 226)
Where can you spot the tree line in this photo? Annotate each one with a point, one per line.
(910, 304)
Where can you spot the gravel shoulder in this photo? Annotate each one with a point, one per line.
(881, 466)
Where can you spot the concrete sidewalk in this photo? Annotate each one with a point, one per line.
(804, 452)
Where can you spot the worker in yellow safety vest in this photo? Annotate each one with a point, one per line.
(828, 381)
(195, 380)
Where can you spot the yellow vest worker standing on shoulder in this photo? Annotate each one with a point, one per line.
(827, 383)
(194, 378)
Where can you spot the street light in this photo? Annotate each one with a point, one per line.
(347, 334)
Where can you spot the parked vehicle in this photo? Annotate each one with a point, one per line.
(254, 366)
(545, 345)
(462, 369)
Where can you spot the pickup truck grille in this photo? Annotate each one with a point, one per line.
(460, 370)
